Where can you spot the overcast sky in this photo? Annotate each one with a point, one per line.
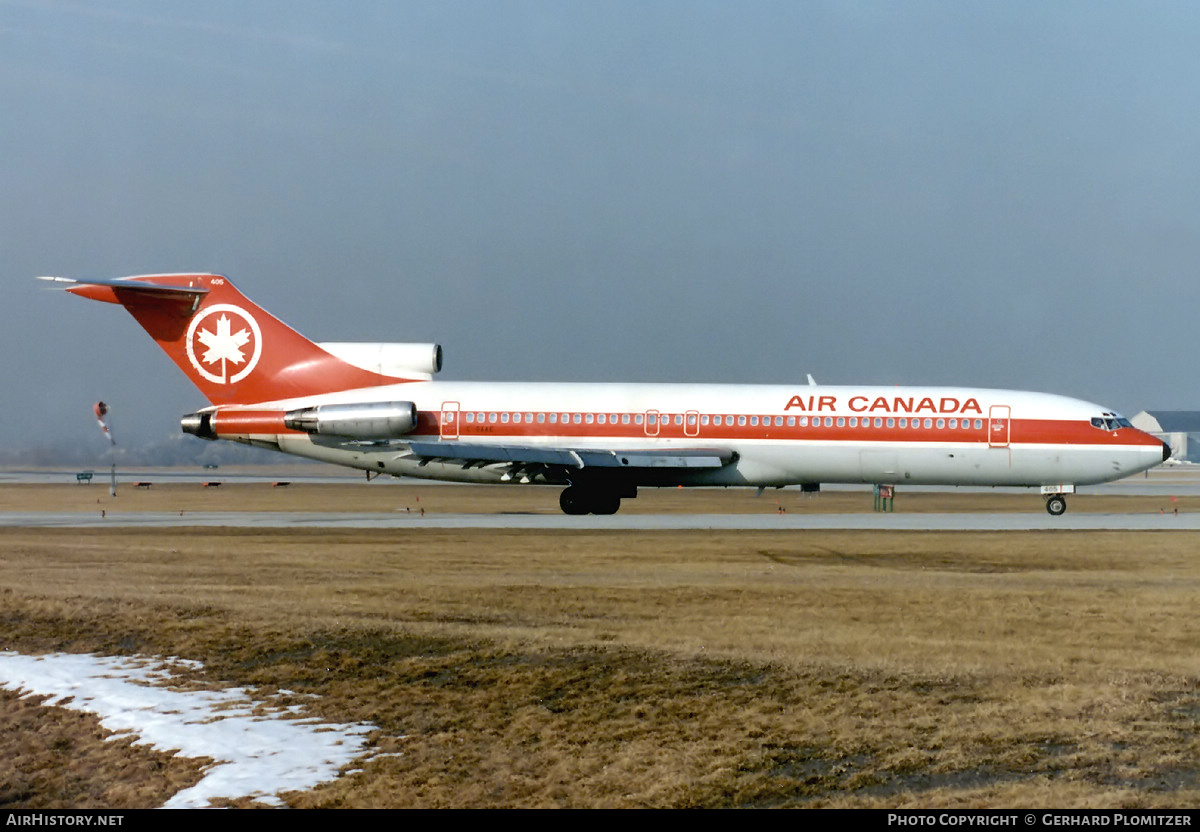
(961, 193)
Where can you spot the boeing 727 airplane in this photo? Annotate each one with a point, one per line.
(375, 406)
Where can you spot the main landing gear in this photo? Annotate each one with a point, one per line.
(576, 499)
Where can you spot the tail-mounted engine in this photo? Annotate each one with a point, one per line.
(370, 420)
(397, 360)
(366, 420)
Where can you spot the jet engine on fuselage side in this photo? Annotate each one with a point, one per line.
(367, 420)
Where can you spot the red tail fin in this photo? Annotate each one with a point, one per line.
(233, 350)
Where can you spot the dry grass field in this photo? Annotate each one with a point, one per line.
(666, 669)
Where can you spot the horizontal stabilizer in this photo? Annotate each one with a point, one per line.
(106, 289)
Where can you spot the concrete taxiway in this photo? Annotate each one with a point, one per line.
(1035, 521)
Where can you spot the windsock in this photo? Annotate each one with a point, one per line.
(101, 410)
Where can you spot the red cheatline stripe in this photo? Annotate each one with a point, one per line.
(1019, 431)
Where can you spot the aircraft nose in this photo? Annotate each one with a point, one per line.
(1166, 451)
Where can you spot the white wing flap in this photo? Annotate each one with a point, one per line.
(477, 454)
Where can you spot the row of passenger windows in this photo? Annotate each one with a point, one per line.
(656, 419)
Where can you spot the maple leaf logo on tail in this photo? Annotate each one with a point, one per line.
(221, 343)
(223, 346)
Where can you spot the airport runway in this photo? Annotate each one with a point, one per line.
(1177, 480)
(1039, 521)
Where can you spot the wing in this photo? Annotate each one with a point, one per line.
(561, 463)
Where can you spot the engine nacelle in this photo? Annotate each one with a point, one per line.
(198, 424)
(395, 360)
(369, 420)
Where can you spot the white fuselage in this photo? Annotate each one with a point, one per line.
(780, 435)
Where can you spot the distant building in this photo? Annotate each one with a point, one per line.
(1178, 428)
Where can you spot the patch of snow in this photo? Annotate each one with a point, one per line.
(257, 756)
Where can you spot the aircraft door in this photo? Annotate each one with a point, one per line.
(449, 420)
(999, 425)
(691, 423)
(652, 420)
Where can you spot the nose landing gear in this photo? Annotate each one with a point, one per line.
(1056, 497)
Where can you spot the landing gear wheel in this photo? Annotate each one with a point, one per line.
(573, 501)
(576, 500)
(1056, 505)
(603, 503)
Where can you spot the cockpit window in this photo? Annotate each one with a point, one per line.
(1110, 422)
